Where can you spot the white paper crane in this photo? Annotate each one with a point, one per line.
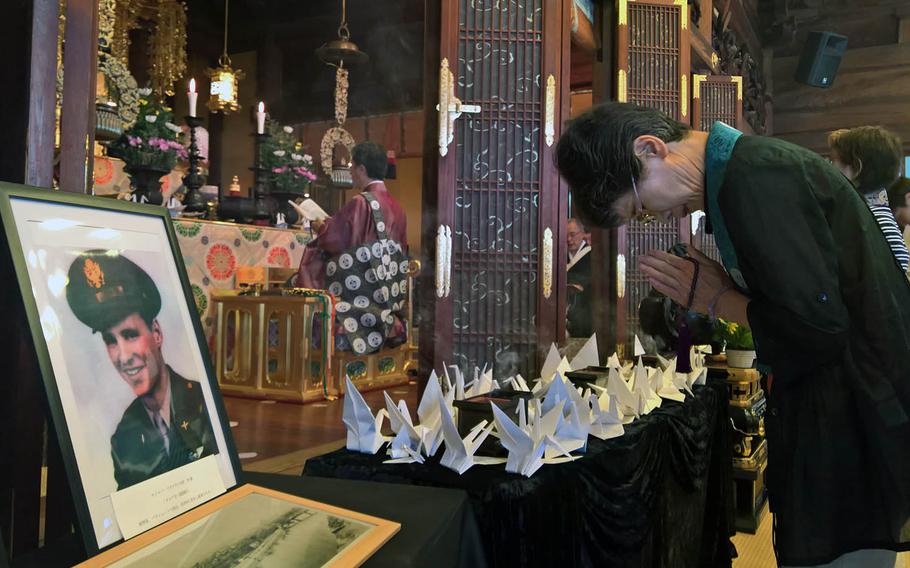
(364, 430)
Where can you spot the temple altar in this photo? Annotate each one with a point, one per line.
(212, 252)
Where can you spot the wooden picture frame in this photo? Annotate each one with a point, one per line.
(46, 233)
(269, 535)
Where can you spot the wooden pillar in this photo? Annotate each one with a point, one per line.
(77, 129)
(15, 38)
(604, 241)
(426, 281)
(39, 159)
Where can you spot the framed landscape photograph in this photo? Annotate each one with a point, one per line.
(130, 386)
(254, 526)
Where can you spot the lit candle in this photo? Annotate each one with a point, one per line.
(193, 96)
(260, 118)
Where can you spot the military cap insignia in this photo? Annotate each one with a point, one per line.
(93, 273)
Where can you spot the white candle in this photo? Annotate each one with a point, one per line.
(193, 96)
(260, 118)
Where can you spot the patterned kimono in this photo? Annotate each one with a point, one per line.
(830, 313)
(349, 227)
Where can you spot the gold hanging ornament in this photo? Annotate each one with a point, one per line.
(335, 53)
(224, 79)
(126, 18)
(167, 47)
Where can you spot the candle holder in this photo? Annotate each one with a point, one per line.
(194, 201)
(262, 202)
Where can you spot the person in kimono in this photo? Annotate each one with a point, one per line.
(807, 268)
(353, 226)
(870, 157)
(578, 276)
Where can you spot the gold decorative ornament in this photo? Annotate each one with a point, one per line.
(341, 95)
(738, 79)
(623, 8)
(167, 47)
(450, 107)
(550, 120)
(448, 260)
(683, 96)
(683, 13)
(696, 85)
(620, 276)
(441, 245)
(622, 94)
(126, 18)
(547, 261)
(224, 79)
(335, 53)
(122, 88)
(333, 137)
(107, 18)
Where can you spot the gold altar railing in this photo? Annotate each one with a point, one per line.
(273, 346)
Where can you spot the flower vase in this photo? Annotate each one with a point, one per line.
(740, 358)
(146, 183)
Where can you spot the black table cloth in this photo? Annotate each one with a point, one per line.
(437, 525)
(657, 496)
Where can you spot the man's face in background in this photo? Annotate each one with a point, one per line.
(135, 351)
(575, 236)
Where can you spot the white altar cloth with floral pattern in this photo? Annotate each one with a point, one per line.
(212, 251)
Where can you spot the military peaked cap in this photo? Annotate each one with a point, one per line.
(104, 287)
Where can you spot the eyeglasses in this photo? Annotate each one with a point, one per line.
(641, 215)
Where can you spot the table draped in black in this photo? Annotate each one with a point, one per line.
(658, 496)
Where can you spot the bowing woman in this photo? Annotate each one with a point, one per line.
(806, 267)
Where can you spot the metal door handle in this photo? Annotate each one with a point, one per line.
(449, 107)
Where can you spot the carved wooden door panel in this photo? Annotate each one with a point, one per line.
(499, 219)
(652, 70)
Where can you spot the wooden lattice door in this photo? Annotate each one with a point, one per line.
(499, 221)
(652, 70)
(714, 98)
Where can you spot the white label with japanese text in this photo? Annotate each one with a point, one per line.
(145, 505)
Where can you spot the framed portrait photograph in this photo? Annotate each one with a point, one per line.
(130, 386)
(254, 526)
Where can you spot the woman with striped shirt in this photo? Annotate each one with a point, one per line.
(870, 157)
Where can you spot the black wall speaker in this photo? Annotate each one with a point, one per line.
(820, 59)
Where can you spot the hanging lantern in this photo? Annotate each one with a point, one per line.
(224, 80)
(336, 53)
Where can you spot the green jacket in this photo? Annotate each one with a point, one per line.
(137, 447)
(830, 314)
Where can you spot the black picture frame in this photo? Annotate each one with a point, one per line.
(12, 193)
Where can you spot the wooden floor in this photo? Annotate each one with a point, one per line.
(279, 436)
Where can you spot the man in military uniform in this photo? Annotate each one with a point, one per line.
(167, 425)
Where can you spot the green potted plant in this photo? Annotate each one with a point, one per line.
(740, 346)
(149, 148)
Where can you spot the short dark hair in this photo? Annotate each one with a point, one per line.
(371, 156)
(897, 193)
(872, 151)
(581, 226)
(595, 154)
